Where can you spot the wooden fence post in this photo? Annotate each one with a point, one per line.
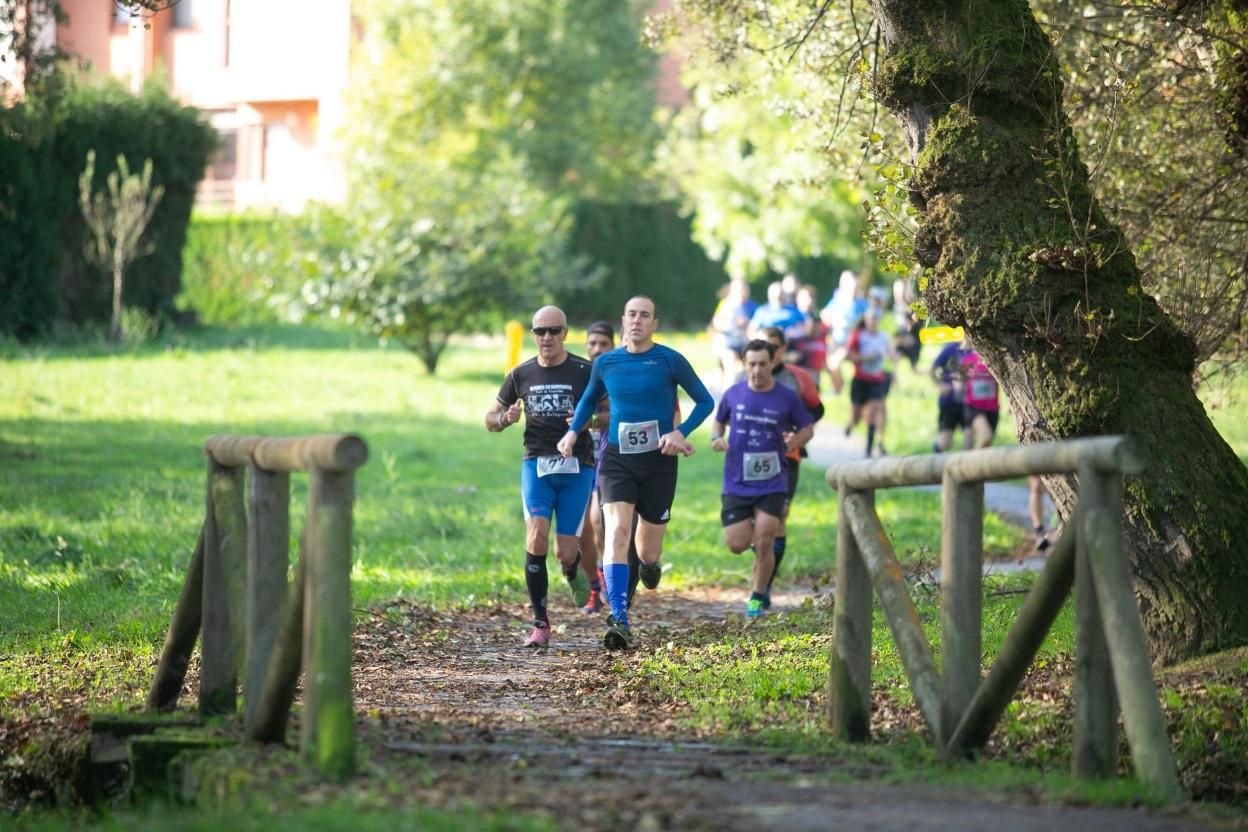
(180, 640)
(327, 727)
(961, 597)
(903, 620)
(1095, 740)
(268, 557)
(849, 679)
(277, 691)
(1133, 675)
(224, 600)
(1041, 608)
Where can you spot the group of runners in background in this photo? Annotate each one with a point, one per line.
(603, 434)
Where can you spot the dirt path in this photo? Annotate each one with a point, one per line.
(561, 731)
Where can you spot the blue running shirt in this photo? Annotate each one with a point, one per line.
(642, 388)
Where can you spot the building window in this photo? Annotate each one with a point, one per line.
(224, 162)
(183, 16)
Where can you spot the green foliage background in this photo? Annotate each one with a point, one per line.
(42, 270)
(30, 246)
(152, 126)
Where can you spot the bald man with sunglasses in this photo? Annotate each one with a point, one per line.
(550, 385)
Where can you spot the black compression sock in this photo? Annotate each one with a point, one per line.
(778, 549)
(537, 582)
(634, 571)
(870, 439)
(569, 572)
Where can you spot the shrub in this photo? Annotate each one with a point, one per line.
(43, 274)
(30, 244)
(233, 264)
(111, 120)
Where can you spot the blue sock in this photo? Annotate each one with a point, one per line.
(617, 591)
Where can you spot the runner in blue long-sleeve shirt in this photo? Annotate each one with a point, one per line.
(638, 468)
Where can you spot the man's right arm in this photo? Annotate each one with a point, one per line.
(506, 409)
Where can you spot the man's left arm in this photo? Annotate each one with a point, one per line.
(703, 401)
(804, 425)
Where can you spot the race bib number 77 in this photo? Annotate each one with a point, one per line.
(557, 464)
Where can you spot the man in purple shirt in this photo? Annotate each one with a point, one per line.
(767, 420)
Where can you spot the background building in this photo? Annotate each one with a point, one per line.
(270, 75)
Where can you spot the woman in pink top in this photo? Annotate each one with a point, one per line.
(980, 396)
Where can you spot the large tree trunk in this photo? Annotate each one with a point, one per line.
(1021, 255)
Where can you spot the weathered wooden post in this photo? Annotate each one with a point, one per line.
(849, 679)
(961, 593)
(327, 737)
(180, 640)
(1095, 752)
(1128, 652)
(268, 554)
(903, 619)
(1039, 611)
(225, 586)
(277, 691)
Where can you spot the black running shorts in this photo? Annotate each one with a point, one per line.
(794, 470)
(734, 509)
(647, 480)
(952, 416)
(862, 391)
(991, 415)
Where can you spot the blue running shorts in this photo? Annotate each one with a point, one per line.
(564, 495)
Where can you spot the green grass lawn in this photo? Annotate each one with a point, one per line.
(102, 477)
(101, 498)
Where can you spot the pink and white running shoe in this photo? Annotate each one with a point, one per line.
(540, 637)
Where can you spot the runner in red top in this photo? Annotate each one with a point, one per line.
(980, 395)
(868, 348)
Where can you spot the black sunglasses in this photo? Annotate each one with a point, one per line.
(539, 331)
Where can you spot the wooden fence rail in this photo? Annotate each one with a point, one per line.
(1112, 665)
(253, 624)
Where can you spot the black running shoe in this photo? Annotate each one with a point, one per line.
(617, 637)
(651, 573)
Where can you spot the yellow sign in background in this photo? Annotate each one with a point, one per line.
(940, 334)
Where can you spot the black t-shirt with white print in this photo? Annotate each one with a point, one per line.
(550, 396)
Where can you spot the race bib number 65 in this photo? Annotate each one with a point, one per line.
(760, 466)
(639, 437)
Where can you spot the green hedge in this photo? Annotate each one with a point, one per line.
(30, 245)
(43, 273)
(152, 126)
(649, 250)
(646, 250)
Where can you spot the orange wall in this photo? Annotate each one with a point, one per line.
(88, 33)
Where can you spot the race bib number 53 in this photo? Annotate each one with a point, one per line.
(639, 437)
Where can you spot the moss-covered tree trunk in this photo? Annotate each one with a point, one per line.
(1021, 255)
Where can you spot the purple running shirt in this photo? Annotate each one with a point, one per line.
(757, 422)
